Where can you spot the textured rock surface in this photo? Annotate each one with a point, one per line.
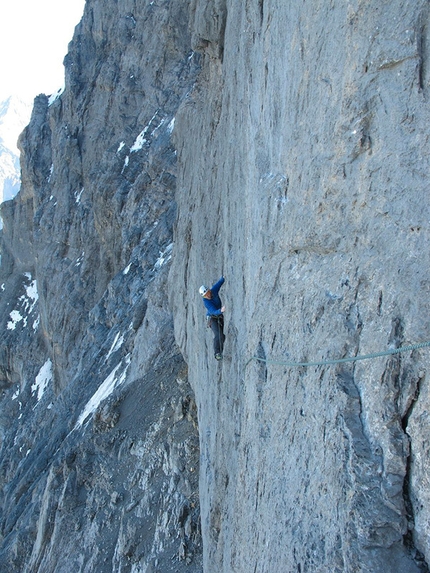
(286, 146)
(99, 450)
(308, 189)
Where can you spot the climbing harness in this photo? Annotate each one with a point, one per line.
(392, 351)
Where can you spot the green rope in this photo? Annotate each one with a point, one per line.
(409, 348)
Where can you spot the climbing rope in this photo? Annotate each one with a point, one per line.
(409, 348)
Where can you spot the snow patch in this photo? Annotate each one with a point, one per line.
(162, 122)
(141, 138)
(42, 379)
(171, 125)
(55, 96)
(126, 161)
(78, 195)
(139, 141)
(79, 260)
(27, 302)
(164, 257)
(15, 318)
(148, 233)
(32, 295)
(36, 323)
(116, 345)
(115, 378)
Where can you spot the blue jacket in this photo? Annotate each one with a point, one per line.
(214, 304)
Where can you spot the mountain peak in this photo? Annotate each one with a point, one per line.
(14, 116)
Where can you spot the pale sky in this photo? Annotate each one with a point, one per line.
(34, 35)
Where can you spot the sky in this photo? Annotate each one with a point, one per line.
(34, 35)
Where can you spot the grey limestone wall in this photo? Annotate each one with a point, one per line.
(99, 438)
(285, 146)
(305, 182)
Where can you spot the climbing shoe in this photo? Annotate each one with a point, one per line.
(218, 356)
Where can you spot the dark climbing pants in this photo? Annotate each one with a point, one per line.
(217, 326)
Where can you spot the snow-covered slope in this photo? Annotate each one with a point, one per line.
(14, 116)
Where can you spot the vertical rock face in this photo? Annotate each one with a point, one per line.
(283, 145)
(99, 441)
(308, 189)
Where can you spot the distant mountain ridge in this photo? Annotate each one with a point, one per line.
(14, 116)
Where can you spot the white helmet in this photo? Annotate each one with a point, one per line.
(203, 290)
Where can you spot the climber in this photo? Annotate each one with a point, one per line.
(214, 315)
